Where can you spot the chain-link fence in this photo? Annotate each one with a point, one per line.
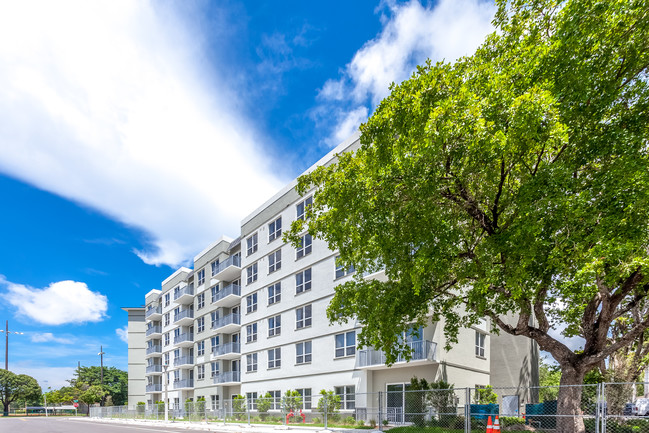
(599, 408)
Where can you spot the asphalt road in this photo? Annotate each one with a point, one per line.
(66, 425)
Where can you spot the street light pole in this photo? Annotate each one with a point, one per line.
(101, 354)
(6, 331)
(165, 366)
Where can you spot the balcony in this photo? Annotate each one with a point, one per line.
(154, 369)
(228, 296)
(153, 313)
(154, 387)
(183, 384)
(154, 350)
(228, 378)
(184, 317)
(229, 270)
(186, 339)
(228, 324)
(184, 361)
(154, 331)
(227, 351)
(184, 295)
(422, 352)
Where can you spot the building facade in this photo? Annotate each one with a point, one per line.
(250, 319)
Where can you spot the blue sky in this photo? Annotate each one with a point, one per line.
(135, 133)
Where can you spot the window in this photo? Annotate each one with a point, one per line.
(251, 362)
(275, 229)
(166, 319)
(303, 316)
(274, 293)
(251, 333)
(215, 342)
(305, 246)
(167, 362)
(200, 348)
(201, 276)
(167, 299)
(251, 243)
(200, 324)
(303, 352)
(341, 271)
(274, 325)
(215, 368)
(479, 344)
(303, 207)
(251, 398)
(251, 303)
(303, 281)
(252, 273)
(346, 344)
(200, 372)
(166, 339)
(347, 396)
(215, 402)
(306, 397)
(200, 301)
(275, 358)
(215, 318)
(274, 261)
(215, 293)
(276, 402)
(215, 268)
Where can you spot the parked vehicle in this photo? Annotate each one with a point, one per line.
(628, 409)
(641, 407)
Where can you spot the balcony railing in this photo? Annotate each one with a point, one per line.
(154, 368)
(420, 350)
(153, 330)
(187, 290)
(185, 336)
(226, 348)
(227, 320)
(230, 261)
(183, 360)
(154, 387)
(183, 383)
(228, 377)
(230, 289)
(188, 313)
(153, 349)
(152, 311)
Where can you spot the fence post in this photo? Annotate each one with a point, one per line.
(380, 417)
(467, 410)
(326, 409)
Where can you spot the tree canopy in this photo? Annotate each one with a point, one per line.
(17, 386)
(513, 181)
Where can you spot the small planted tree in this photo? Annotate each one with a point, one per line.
(263, 405)
(486, 395)
(291, 401)
(238, 406)
(329, 403)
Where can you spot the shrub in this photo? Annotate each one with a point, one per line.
(373, 423)
(360, 423)
(315, 420)
(386, 422)
(329, 403)
(349, 420)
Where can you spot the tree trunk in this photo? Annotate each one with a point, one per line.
(5, 411)
(569, 412)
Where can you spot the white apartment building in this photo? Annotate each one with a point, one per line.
(250, 318)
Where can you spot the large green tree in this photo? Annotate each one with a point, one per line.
(115, 382)
(514, 181)
(16, 386)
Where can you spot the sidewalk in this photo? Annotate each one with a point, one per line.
(229, 427)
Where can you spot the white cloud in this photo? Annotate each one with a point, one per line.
(348, 123)
(411, 34)
(57, 304)
(47, 337)
(122, 333)
(47, 377)
(109, 103)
